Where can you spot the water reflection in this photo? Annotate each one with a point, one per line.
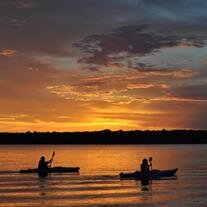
(42, 188)
(42, 183)
(145, 184)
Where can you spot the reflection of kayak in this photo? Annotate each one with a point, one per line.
(154, 174)
(53, 170)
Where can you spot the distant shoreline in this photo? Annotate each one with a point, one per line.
(107, 137)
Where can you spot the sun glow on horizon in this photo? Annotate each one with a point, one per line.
(138, 68)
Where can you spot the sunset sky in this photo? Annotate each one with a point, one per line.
(76, 65)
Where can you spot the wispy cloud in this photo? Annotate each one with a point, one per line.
(146, 86)
(90, 93)
(20, 4)
(18, 22)
(25, 4)
(8, 53)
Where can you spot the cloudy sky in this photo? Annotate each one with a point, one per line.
(76, 65)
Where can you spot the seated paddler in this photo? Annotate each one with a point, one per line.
(145, 167)
(43, 165)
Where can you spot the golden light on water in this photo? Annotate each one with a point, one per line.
(98, 182)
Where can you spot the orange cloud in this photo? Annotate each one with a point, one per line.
(8, 53)
(146, 86)
(90, 93)
(178, 99)
(181, 73)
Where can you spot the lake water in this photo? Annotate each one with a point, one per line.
(98, 183)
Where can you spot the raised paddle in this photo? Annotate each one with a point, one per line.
(150, 161)
(53, 154)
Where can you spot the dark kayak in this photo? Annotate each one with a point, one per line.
(154, 174)
(53, 170)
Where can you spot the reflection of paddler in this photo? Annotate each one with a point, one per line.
(43, 166)
(145, 183)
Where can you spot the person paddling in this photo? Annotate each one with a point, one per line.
(145, 167)
(43, 166)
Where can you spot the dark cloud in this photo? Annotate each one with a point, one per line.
(139, 40)
(47, 27)
(195, 92)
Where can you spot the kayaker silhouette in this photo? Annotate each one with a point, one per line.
(44, 165)
(145, 167)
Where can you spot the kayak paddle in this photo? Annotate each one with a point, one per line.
(150, 161)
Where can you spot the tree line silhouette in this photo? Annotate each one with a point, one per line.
(107, 137)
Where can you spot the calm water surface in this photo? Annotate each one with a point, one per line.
(98, 183)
